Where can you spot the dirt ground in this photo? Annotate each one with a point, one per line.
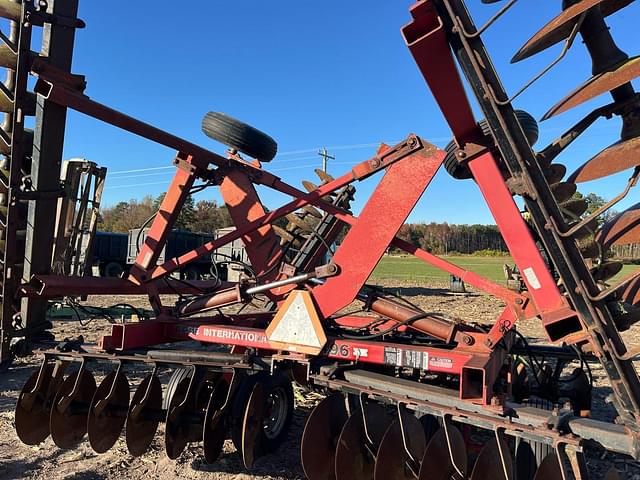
(46, 461)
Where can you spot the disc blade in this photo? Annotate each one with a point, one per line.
(309, 186)
(10, 10)
(32, 417)
(314, 212)
(213, 430)
(438, 461)
(549, 468)
(354, 454)
(554, 173)
(252, 425)
(591, 250)
(392, 460)
(563, 191)
(324, 176)
(561, 26)
(614, 159)
(589, 229)
(597, 85)
(321, 432)
(606, 270)
(282, 233)
(574, 208)
(177, 431)
(621, 229)
(489, 462)
(631, 294)
(68, 421)
(8, 58)
(107, 417)
(302, 224)
(144, 415)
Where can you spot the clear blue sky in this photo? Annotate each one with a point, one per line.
(311, 74)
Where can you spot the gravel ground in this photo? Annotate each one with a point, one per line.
(46, 461)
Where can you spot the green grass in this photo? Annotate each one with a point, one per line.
(411, 268)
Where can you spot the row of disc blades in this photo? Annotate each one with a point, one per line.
(373, 442)
(72, 406)
(302, 223)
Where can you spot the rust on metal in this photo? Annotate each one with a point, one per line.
(597, 85)
(561, 26)
(616, 158)
(621, 229)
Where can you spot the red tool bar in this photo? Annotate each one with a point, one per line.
(516, 234)
(83, 104)
(55, 286)
(398, 355)
(427, 42)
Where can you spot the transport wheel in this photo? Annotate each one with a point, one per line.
(456, 170)
(190, 273)
(239, 135)
(278, 412)
(113, 269)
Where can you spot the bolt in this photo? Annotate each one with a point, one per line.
(375, 163)
(467, 340)
(462, 154)
(519, 301)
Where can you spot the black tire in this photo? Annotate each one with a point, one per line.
(239, 135)
(461, 172)
(279, 384)
(191, 273)
(113, 270)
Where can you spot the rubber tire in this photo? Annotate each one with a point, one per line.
(527, 461)
(113, 270)
(239, 135)
(460, 171)
(177, 376)
(190, 273)
(242, 398)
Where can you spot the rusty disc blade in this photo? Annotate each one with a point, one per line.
(177, 430)
(549, 468)
(321, 432)
(107, 417)
(437, 461)
(32, 416)
(309, 186)
(282, 233)
(301, 223)
(621, 229)
(573, 209)
(554, 173)
(606, 270)
(589, 229)
(489, 462)
(597, 85)
(563, 191)
(591, 250)
(561, 26)
(614, 159)
(68, 421)
(392, 460)
(213, 429)
(313, 211)
(252, 425)
(355, 456)
(144, 415)
(324, 176)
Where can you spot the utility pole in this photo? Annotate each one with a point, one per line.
(325, 158)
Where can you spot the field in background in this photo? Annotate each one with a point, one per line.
(398, 267)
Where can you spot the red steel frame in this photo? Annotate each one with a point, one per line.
(410, 166)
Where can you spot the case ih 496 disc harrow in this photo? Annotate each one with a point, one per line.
(405, 389)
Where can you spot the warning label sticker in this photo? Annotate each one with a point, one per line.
(406, 358)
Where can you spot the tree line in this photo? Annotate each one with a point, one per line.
(201, 216)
